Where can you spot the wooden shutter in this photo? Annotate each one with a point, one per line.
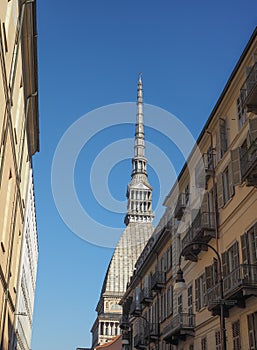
(236, 167)
(253, 129)
(197, 296)
(245, 249)
(223, 136)
(209, 276)
(230, 180)
(220, 191)
(235, 255)
(224, 264)
(218, 152)
(200, 174)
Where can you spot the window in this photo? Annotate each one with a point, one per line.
(240, 111)
(221, 139)
(217, 340)
(204, 343)
(190, 299)
(170, 301)
(230, 262)
(200, 292)
(180, 305)
(225, 185)
(252, 330)
(249, 251)
(236, 335)
(187, 194)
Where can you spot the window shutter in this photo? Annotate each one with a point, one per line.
(255, 238)
(209, 276)
(253, 129)
(200, 174)
(223, 136)
(235, 252)
(197, 296)
(218, 152)
(230, 180)
(220, 191)
(224, 264)
(236, 168)
(244, 247)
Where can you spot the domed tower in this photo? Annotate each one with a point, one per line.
(138, 230)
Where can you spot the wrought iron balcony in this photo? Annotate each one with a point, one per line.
(181, 205)
(139, 341)
(241, 282)
(146, 296)
(152, 332)
(135, 308)
(248, 163)
(158, 281)
(202, 229)
(249, 90)
(238, 285)
(124, 322)
(179, 327)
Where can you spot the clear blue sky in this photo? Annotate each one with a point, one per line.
(90, 53)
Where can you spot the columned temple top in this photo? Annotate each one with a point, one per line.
(139, 191)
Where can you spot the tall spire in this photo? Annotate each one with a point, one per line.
(139, 192)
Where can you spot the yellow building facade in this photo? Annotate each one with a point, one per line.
(19, 134)
(213, 203)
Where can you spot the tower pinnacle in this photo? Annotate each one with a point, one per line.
(139, 192)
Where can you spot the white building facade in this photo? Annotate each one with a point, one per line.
(27, 274)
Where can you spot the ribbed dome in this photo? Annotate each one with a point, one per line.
(130, 246)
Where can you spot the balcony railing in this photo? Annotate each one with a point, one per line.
(180, 326)
(135, 308)
(202, 229)
(152, 332)
(181, 205)
(237, 285)
(140, 342)
(248, 163)
(158, 281)
(244, 276)
(249, 90)
(146, 296)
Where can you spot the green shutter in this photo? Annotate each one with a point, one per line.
(236, 168)
(253, 129)
(220, 191)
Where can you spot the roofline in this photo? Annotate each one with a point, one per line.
(223, 93)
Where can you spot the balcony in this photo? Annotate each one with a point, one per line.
(140, 342)
(248, 163)
(202, 229)
(158, 281)
(238, 285)
(249, 90)
(181, 205)
(181, 326)
(152, 332)
(146, 296)
(135, 308)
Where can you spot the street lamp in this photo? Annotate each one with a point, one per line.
(180, 284)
